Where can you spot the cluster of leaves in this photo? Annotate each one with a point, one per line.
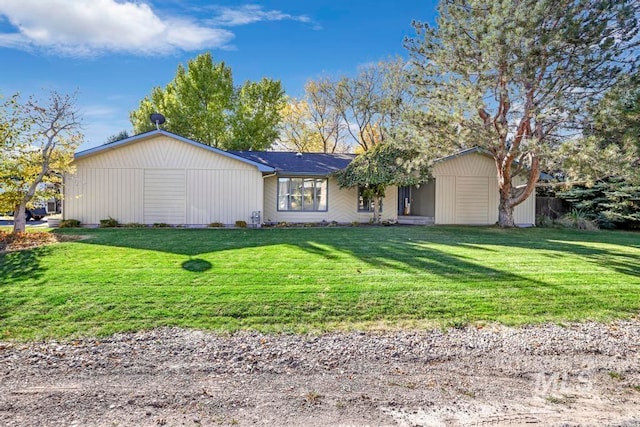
(611, 203)
(202, 103)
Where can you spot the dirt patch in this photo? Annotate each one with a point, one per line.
(583, 374)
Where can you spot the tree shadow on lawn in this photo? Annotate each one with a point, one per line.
(408, 249)
(18, 266)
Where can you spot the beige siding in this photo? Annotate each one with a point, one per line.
(525, 213)
(467, 165)
(161, 179)
(164, 196)
(472, 200)
(95, 194)
(342, 205)
(223, 196)
(494, 199)
(467, 193)
(161, 152)
(445, 200)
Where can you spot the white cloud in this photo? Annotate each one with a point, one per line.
(91, 27)
(99, 111)
(250, 14)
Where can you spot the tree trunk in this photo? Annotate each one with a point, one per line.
(377, 201)
(19, 219)
(509, 199)
(505, 213)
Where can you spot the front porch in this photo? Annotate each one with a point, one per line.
(416, 220)
(417, 204)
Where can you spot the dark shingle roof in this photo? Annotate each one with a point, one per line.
(318, 164)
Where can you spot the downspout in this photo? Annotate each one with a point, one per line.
(264, 201)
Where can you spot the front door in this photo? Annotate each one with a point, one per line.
(404, 201)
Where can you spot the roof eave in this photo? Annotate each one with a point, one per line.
(303, 174)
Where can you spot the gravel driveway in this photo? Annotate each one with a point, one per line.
(579, 374)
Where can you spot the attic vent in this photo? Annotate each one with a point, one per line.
(299, 155)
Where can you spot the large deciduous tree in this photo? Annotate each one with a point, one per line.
(359, 111)
(515, 77)
(373, 102)
(37, 142)
(256, 118)
(202, 103)
(313, 123)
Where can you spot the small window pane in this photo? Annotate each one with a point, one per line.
(283, 194)
(321, 194)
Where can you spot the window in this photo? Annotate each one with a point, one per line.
(302, 194)
(366, 203)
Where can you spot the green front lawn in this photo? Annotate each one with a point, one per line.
(316, 279)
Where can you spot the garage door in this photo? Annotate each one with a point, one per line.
(472, 200)
(164, 196)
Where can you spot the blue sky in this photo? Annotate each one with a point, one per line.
(114, 52)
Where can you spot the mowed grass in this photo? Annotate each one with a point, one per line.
(316, 279)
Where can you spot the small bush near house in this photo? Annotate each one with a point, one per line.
(355, 224)
(134, 225)
(241, 224)
(160, 225)
(544, 221)
(579, 220)
(69, 223)
(216, 225)
(109, 223)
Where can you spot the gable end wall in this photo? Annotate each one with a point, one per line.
(162, 179)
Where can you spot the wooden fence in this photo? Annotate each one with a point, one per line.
(551, 207)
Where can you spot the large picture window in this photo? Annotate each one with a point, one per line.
(302, 194)
(365, 203)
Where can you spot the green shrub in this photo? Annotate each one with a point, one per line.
(109, 223)
(579, 220)
(69, 223)
(544, 221)
(216, 225)
(241, 224)
(134, 225)
(355, 224)
(160, 225)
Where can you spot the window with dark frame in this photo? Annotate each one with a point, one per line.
(302, 194)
